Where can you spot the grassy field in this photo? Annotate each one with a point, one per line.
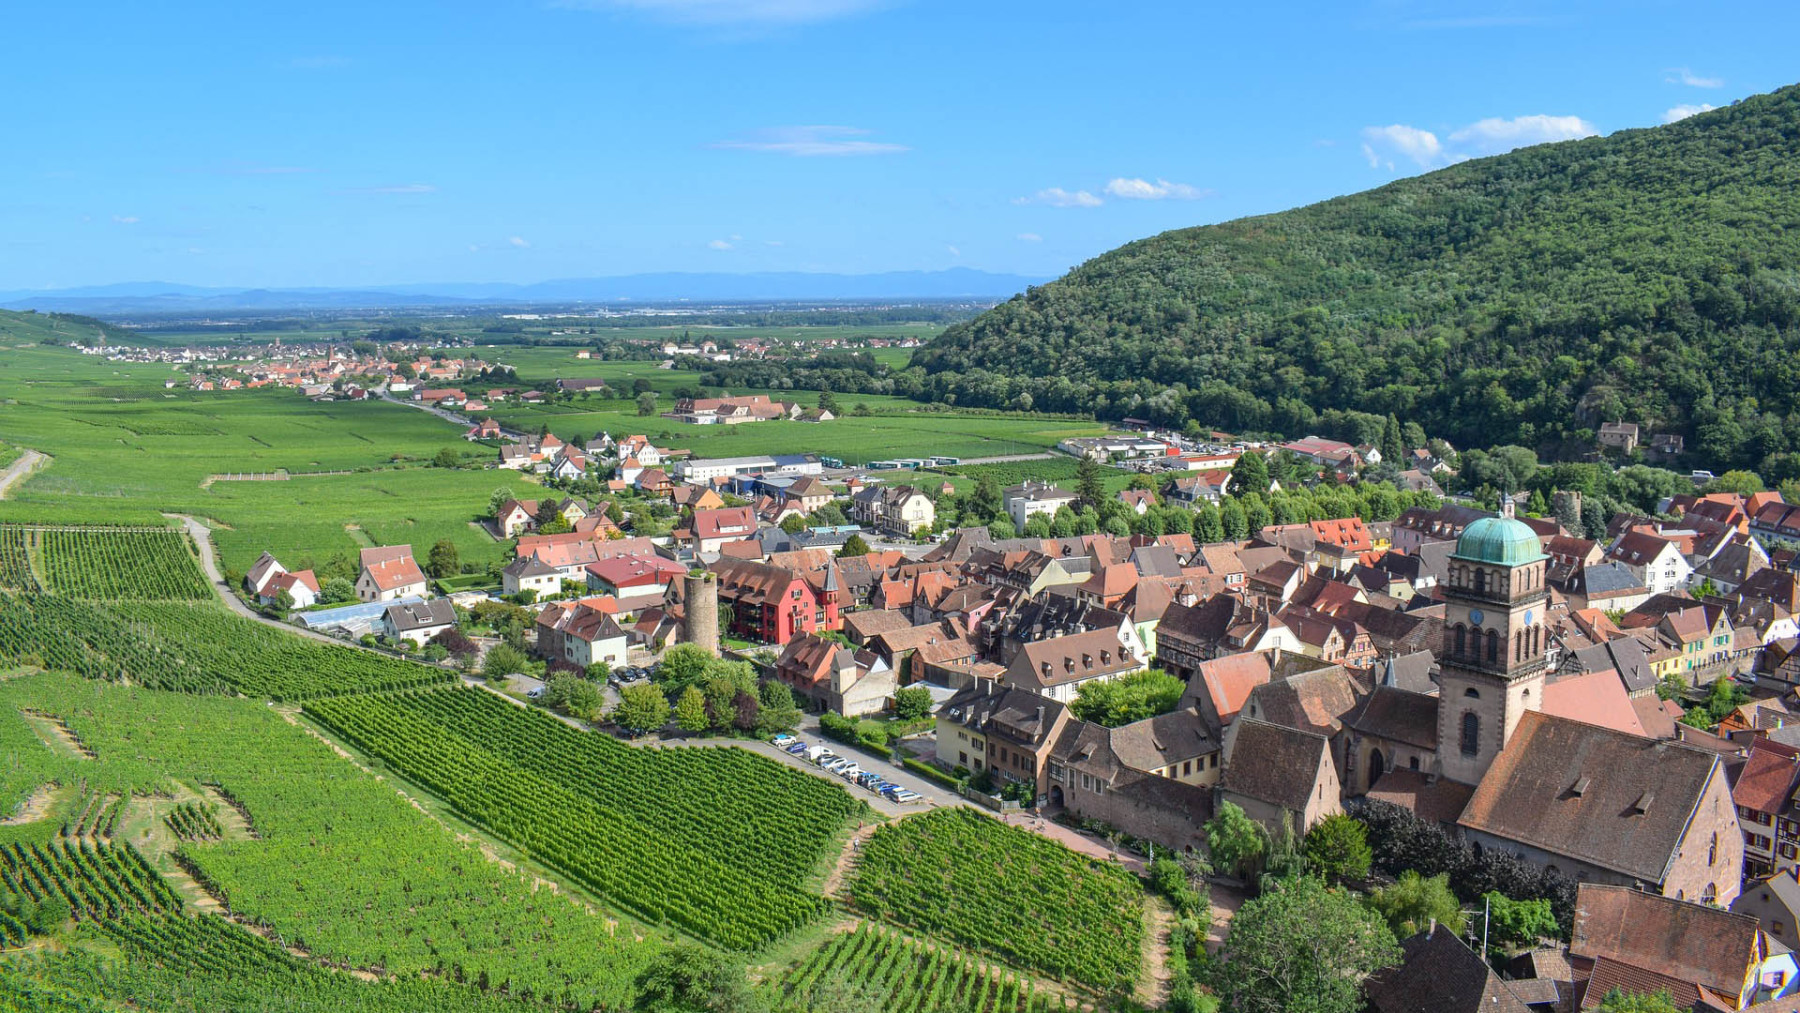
(127, 450)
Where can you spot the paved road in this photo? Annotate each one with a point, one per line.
(28, 462)
(1005, 458)
(445, 414)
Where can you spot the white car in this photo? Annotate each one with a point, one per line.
(849, 771)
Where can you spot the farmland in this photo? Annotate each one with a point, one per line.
(892, 974)
(713, 842)
(340, 864)
(114, 565)
(196, 648)
(1005, 891)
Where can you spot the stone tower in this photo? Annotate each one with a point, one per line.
(700, 624)
(1491, 664)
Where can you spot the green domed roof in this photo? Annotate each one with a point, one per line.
(1502, 541)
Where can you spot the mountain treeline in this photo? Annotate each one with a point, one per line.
(1651, 276)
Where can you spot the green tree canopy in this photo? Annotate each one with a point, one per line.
(1337, 847)
(1129, 698)
(1302, 947)
(1412, 902)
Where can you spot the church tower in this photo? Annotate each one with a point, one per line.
(1491, 664)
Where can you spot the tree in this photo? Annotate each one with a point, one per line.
(745, 711)
(682, 666)
(599, 671)
(1518, 922)
(1741, 482)
(853, 546)
(1169, 879)
(828, 402)
(1620, 1001)
(642, 708)
(1392, 443)
(446, 458)
(1037, 526)
(793, 524)
(1087, 480)
(1250, 474)
(574, 696)
(688, 979)
(496, 500)
(336, 591)
(284, 601)
(690, 710)
(1115, 702)
(1302, 947)
(1411, 903)
(1235, 841)
(503, 660)
(646, 404)
(776, 709)
(444, 560)
(1338, 845)
(985, 503)
(640, 386)
(861, 410)
(912, 703)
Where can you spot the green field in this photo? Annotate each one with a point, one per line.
(126, 450)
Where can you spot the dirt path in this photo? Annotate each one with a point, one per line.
(55, 733)
(28, 462)
(1153, 983)
(34, 807)
(847, 859)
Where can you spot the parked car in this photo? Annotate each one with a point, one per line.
(849, 771)
(783, 740)
(535, 693)
(798, 749)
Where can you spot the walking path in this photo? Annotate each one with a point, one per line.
(29, 461)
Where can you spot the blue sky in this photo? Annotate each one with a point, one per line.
(519, 140)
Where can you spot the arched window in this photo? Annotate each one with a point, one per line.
(1472, 692)
(1493, 652)
(1518, 646)
(1471, 734)
(1461, 635)
(1480, 580)
(1710, 895)
(1712, 851)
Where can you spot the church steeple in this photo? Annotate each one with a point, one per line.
(1491, 665)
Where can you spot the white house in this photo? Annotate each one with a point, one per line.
(590, 636)
(418, 621)
(301, 586)
(1656, 562)
(389, 572)
(265, 569)
(529, 573)
(1032, 498)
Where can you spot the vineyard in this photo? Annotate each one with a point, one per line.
(115, 896)
(971, 879)
(15, 560)
(119, 565)
(194, 821)
(192, 648)
(617, 847)
(345, 867)
(890, 974)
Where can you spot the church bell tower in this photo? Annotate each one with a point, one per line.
(1491, 664)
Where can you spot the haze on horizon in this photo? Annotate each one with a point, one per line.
(366, 145)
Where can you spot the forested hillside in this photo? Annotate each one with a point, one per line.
(58, 329)
(1652, 276)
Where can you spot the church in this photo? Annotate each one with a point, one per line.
(1483, 759)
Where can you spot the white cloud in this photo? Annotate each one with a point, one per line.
(718, 244)
(1683, 111)
(1419, 145)
(518, 241)
(1057, 197)
(1162, 189)
(734, 12)
(393, 188)
(1385, 147)
(1030, 237)
(811, 142)
(1682, 75)
(1494, 135)
(954, 252)
(125, 219)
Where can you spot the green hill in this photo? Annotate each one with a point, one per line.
(1652, 276)
(31, 327)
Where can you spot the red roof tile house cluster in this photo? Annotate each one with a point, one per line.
(770, 604)
(387, 573)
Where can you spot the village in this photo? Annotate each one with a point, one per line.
(1595, 719)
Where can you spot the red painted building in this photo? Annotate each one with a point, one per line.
(772, 604)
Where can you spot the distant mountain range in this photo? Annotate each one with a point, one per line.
(789, 286)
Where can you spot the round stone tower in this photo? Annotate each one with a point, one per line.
(701, 601)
